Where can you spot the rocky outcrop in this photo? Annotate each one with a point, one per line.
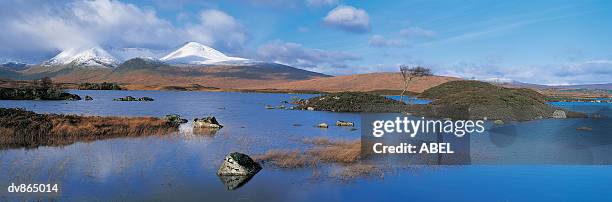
(559, 114)
(238, 164)
(207, 122)
(133, 99)
(344, 123)
(99, 86)
(351, 102)
(175, 119)
(323, 125)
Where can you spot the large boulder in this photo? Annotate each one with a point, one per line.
(238, 164)
(207, 122)
(559, 114)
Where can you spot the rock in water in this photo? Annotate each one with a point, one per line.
(87, 97)
(344, 123)
(238, 164)
(175, 119)
(146, 99)
(71, 97)
(323, 125)
(559, 114)
(208, 122)
(498, 122)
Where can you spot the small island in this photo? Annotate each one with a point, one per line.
(43, 89)
(455, 99)
(21, 128)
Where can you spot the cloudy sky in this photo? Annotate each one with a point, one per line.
(545, 42)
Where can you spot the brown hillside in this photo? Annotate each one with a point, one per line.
(359, 82)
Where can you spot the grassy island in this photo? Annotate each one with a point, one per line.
(20, 128)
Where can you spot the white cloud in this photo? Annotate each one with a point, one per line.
(417, 32)
(218, 29)
(381, 41)
(591, 71)
(50, 26)
(294, 54)
(348, 18)
(320, 3)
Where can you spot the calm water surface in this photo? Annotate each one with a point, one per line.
(184, 164)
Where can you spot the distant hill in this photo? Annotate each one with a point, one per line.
(518, 84)
(149, 72)
(389, 82)
(604, 86)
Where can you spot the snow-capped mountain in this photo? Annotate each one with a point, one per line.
(93, 57)
(13, 64)
(194, 53)
(191, 53)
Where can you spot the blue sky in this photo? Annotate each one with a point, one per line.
(545, 42)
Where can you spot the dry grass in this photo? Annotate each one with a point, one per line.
(287, 159)
(338, 152)
(345, 154)
(328, 151)
(20, 128)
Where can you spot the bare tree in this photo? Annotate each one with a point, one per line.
(408, 73)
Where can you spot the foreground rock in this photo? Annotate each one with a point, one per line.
(207, 122)
(133, 99)
(238, 164)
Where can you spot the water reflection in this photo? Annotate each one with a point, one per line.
(235, 182)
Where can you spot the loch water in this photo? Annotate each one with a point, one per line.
(183, 164)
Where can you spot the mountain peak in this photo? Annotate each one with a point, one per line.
(92, 57)
(197, 53)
